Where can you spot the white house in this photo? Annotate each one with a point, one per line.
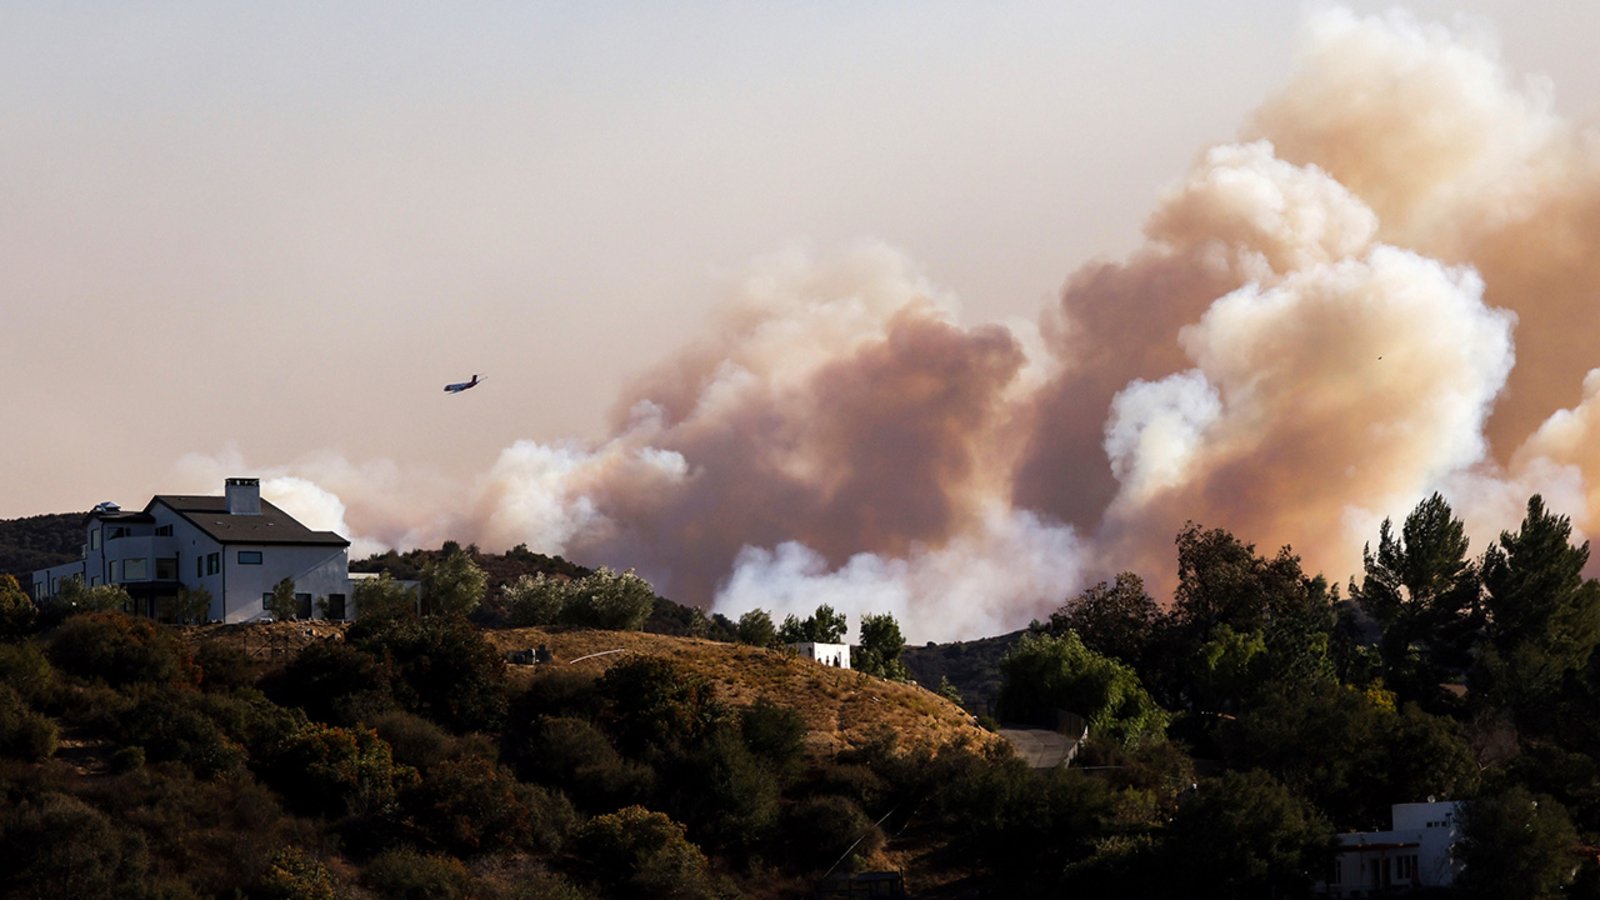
(836, 655)
(1415, 853)
(236, 546)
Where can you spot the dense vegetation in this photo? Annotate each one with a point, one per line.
(403, 759)
(38, 542)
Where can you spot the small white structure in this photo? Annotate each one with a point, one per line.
(1415, 853)
(836, 655)
(237, 547)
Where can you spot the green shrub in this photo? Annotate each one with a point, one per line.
(24, 669)
(405, 874)
(635, 852)
(817, 831)
(172, 725)
(58, 846)
(127, 759)
(615, 601)
(17, 612)
(551, 817)
(443, 668)
(537, 599)
(295, 875)
(469, 806)
(414, 740)
(775, 733)
(224, 666)
(756, 629)
(722, 792)
(24, 734)
(653, 705)
(334, 683)
(335, 772)
(120, 649)
(576, 755)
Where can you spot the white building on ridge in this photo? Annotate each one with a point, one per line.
(1415, 853)
(836, 655)
(237, 547)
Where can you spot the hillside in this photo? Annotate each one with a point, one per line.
(973, 667)
(841, 708)
(36, 542)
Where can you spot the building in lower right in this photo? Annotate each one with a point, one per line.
(1416, 853)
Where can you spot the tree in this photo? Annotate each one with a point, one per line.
(442, 668)
(1516, 844)
(454, 585)
(538, 599)
(1246, 835)
(194, 606)
(1543, 615)
(74, 598)
(282, 604)
(1423, 590)
(1117, 620)
(1221, 581)
(652, 705)
(823, 627)
(1045, 674)
(17, 612)
(120, 649)
(331, 771)
(880, 649)
(381, 597)
(756, 629)
(635, 852)
(617, 601)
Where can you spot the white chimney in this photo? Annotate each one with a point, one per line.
(244, 496)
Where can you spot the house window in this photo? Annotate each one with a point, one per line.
(167, 569)
(136, 570)
(117, 532)
(213, 563)
(302, 606)
(336, 607)
(113, 568)
(94, 539)
(249, 557)
(199, 567)
(164, 531)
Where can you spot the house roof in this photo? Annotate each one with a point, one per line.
(272, 526)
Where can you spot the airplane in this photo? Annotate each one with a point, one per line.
(460, 386)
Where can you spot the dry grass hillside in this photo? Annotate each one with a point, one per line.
(843, 708)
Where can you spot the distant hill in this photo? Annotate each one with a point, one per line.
(502, 568)
(668, 617)
(37, 542)
(842, 708)
(972, 666)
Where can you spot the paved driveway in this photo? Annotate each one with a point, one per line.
(1040, 748)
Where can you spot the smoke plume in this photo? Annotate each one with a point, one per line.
(1383, 289)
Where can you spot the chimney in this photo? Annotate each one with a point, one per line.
(244, 496)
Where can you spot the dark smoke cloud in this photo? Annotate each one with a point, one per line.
(1384, 289)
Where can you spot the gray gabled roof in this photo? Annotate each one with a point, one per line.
(273, 526)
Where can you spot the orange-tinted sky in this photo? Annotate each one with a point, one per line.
(261, 238)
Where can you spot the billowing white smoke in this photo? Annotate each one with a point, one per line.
(997, 576)
(1318, 332)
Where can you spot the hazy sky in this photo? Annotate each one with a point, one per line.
(242, 238)
(283, 226)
